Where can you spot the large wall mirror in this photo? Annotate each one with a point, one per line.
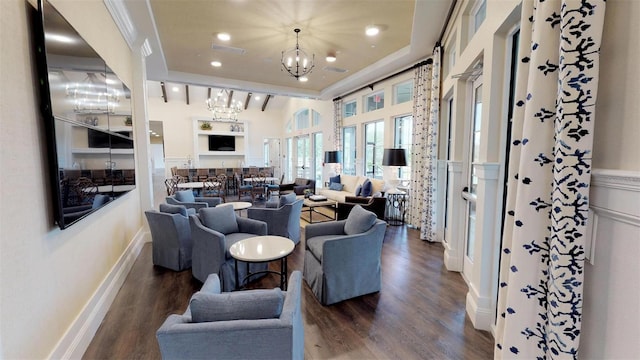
(87, 114)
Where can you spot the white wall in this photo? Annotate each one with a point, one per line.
(47, 275)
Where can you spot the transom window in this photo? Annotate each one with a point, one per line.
(403, 92)
(374, 101)
(302, 119)
(349, 109)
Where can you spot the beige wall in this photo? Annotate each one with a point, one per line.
(617, 129)
(48, 275)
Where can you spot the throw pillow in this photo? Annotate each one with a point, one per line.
(174, 209)
(220, 218)
(237, 305)
(334, 179)
(287, 199)
(367, 188)
(185, 196)
(359, 221)
(335, 186)
(358, 190)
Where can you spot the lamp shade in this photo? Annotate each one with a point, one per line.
(393, 157)
(332, 157)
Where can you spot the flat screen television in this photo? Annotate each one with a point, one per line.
(77, 121)
(222, 143)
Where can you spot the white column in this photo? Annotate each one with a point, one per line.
(144, 170)
(481, 298)
(454, 235)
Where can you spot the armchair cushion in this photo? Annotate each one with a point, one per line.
(185, 196)
(239, 305)
(359, 221)
(220, 218)
(176, 209)
(335, 186)
(367, 188)
(287, 199)
(334, 179)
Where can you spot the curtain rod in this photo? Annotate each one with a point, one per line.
(444, 26)
(370, 86)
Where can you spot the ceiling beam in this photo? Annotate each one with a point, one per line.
(246, 102)
(164, 91)
(229, 99)
(266, 100)
(186, 89)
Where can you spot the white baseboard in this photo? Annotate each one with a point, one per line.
(76, 340)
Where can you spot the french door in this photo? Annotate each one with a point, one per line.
(303, 157)
(470, 191)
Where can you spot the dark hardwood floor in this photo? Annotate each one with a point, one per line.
(419, 314)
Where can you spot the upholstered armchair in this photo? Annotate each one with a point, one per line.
(283, 220)
(251, 324)
(377, 205)
(298, 186)
(214, 230)
(186, 198)
(171, 236)
(342, 258)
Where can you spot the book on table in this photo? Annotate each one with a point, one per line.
(317, 198)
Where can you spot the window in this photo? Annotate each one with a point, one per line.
(403, 92)
(315, 118)
(374, 101)
(302, 119)
(288, 165)
(318, 156)
(288, 128)
(349, 150)
(349, 109)
(266, 152)
(374, 148)
(479, 14)
(403, 140)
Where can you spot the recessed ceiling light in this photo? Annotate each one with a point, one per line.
(175, 89)
(331, 58)
(303, 79)
(372, 30)
(224, 37)
(257, 97)
(216, 63)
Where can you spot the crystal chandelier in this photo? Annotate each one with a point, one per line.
(222, 108)
(296, 61)
(93, 96)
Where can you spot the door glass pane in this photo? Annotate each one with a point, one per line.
(374, 137)
(303, 157)
(318, 157)
(289, 163)
(475, 137)
(403, 140)
(471, 229)
(349, 150)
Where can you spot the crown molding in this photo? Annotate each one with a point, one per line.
(121, 17)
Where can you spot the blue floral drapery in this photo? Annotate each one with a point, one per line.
(541, 269)
(426, 105)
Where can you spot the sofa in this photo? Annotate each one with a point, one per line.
(350, 184)
(298, 186)
(251, 324)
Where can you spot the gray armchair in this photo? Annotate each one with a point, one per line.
(214, 230)
(283, 220)
(342, 258)
(170, 236)
(186, 198)
(252, 324)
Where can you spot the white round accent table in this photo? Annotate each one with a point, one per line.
(262, 249)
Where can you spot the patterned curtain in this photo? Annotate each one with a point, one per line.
(541, 270)
(422, 192)
(337, 124)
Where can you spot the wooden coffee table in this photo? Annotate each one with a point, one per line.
(311, 207)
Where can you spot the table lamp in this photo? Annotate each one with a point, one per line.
(394, 158)
(332, 157)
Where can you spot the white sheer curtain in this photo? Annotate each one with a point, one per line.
(541, 270)
(422, 192)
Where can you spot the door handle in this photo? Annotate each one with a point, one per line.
(464, 190)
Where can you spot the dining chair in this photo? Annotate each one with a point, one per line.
(202, 174)
(215, 186)
(243, 188)
(259, 184)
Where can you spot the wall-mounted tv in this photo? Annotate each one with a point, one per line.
(83, 106)
(222, 143)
